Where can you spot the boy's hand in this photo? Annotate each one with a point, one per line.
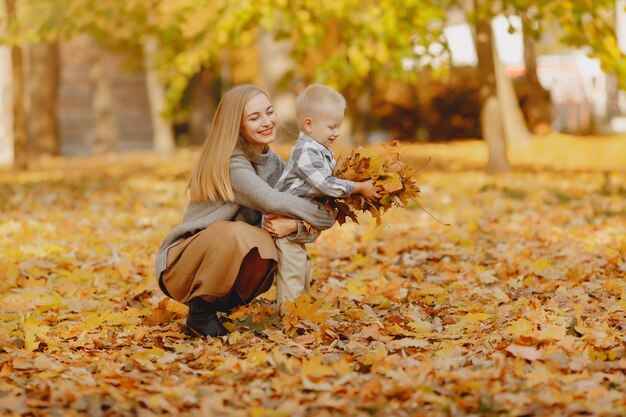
(367, 189)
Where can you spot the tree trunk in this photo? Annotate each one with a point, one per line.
(513, 122)
(105, 136)
(6, 109)
(43, 88)
(226, 71)
(20, 133)
(537, 104)
(332, 40)
(620, 24)
(6, 100)
(490, 114)
(274, 64)
(202, 105)
(493, 131)
(362, 116)
(162, 129)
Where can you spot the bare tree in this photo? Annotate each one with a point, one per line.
(274, 64)
(20, 133)
(515, 128)
(537, 103)
(202, 103)
(6, 99)
(43, 82)
(105, 137)
(163, 134)
(491, 118)
(620, 24)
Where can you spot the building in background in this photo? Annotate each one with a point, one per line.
(127, 84)
(126, 80)
(584, 98)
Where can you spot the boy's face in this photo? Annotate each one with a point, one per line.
(324, 126)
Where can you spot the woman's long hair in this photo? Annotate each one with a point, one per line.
(210, 178)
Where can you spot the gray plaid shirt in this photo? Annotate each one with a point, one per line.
(309, 171)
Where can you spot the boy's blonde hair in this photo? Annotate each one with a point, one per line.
(210, 178)
(314, 99)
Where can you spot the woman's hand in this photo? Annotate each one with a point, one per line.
(279, 226)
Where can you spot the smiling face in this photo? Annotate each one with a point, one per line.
(258, 123)
(324, 126)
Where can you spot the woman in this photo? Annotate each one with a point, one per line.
(219, 257)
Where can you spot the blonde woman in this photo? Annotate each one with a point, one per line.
(219, 256)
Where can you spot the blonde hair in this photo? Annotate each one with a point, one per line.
(210, 178)
(314, 99)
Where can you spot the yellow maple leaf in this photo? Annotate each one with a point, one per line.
(408, 342)
(76, 276)
(520, 327)
(376, 356)
(342, 367)
(315, 369)
(356, 287)
(306, 307)
(552, 332)
(94, 320)
(539, 375)
(444, 350)
(420, 326)
(474, 317)
(541, 265)
(257, 356)
(282, 362)
(390, 182)
(32, 330)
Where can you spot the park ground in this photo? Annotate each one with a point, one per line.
(517, 307)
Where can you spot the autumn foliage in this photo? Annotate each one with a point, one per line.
(517, 309)
(395, 178)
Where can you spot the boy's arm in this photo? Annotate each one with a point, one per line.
(313, 169)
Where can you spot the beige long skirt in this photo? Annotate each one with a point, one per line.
(207, 263)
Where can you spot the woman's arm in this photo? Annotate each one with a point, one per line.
(279, 226)
(294, 229)
(252, 191)
(303, 234)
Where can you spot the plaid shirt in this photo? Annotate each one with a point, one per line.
(309, 171)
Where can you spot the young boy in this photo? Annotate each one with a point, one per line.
(309, 173)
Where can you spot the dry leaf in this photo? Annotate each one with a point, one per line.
(517, 309)
(159, 315)
(530, 353)
(395, 178)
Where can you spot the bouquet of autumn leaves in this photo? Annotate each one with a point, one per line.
(394, 177)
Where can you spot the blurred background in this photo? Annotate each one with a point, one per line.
(88, 77)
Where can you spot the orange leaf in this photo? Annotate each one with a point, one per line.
(159, 315)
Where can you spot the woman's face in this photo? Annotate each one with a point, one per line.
(259, 122)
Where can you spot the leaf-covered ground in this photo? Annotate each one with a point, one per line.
(517, 308)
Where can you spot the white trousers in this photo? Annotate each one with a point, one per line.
(294, 270)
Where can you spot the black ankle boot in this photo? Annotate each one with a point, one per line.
(202, 320)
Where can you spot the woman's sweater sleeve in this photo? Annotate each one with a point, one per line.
(302, 235)
(253, 192)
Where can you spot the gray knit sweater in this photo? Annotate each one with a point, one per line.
(252, 184)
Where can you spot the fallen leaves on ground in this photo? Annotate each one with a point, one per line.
(518, 308)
